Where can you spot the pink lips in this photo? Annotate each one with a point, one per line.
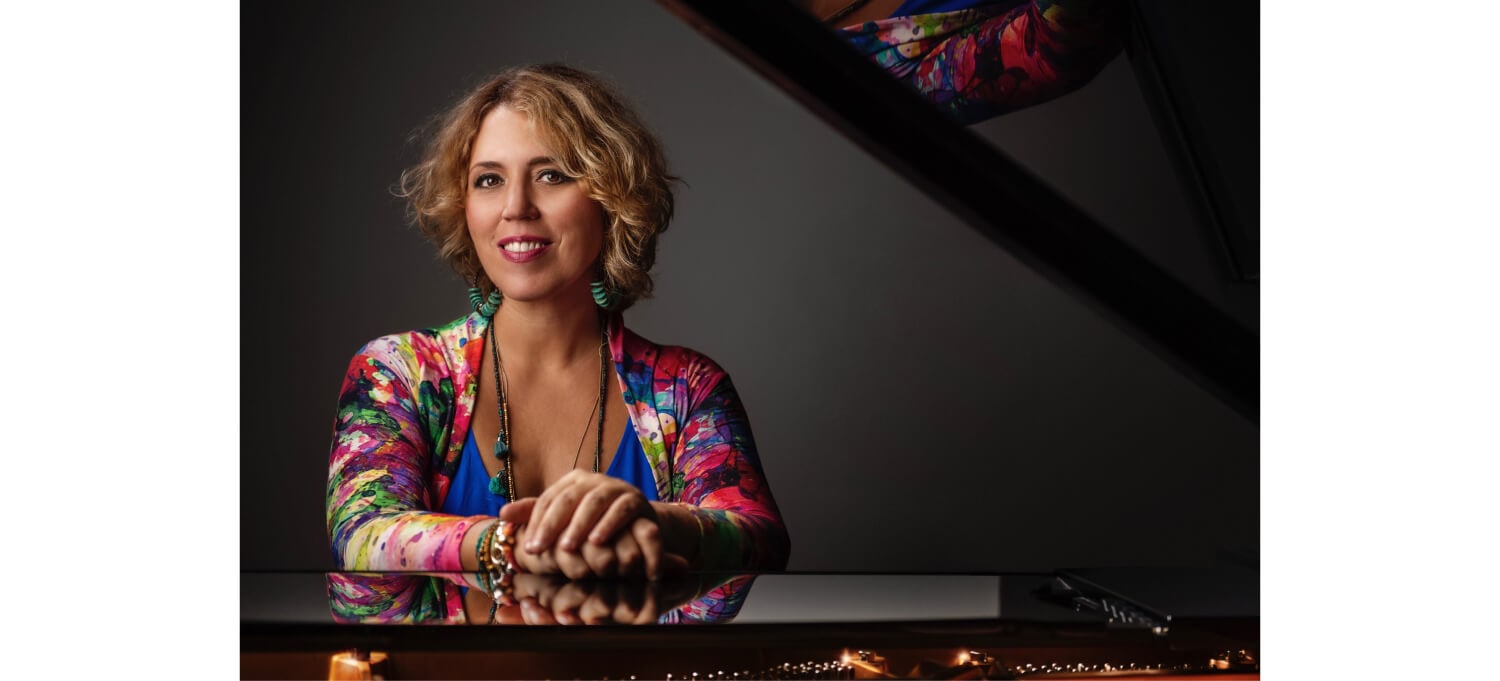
(527, 256)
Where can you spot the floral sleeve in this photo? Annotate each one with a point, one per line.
(378, 507)
(722, 481)
(993, 59)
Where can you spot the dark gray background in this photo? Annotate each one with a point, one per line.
(920, 400)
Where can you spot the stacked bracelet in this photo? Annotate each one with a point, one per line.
(500, 562)
(479, 558)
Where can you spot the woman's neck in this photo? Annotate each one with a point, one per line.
(547, 335)
(857, 12)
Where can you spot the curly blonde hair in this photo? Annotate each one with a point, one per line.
(596, 138)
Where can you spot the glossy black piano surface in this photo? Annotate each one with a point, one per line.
(799, 625)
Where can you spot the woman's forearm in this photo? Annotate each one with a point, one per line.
(723, 539)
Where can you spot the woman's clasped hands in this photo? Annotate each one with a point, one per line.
(591, 525)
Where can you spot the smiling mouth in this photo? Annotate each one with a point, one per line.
(523, 246)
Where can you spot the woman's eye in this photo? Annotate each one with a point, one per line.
(486, 181)
(552, 177)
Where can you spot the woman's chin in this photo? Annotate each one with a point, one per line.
(542, 296)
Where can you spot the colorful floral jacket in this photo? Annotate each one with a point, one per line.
(995, 57)
(403, 416)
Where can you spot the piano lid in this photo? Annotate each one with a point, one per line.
(990, 191)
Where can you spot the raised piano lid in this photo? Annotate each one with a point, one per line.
(990, 192)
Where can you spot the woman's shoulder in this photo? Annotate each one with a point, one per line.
(437, 346)
(677, 362)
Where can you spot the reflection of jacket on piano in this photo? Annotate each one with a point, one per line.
(993, 57)
(404, 412)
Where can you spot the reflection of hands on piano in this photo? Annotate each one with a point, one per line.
(552, 599)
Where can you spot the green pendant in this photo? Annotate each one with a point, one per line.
(501, 449)
(497, 484)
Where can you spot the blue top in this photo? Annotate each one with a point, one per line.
(470, 492)
(911, 7)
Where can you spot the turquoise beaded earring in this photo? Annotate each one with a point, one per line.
(485, 307)
(603, 297)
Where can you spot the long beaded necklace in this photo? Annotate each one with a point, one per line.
(504, 482)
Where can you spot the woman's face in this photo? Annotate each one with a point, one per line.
(537, 233)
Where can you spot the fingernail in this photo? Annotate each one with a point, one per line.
(534, 546)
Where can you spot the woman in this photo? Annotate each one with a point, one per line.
(545, 190)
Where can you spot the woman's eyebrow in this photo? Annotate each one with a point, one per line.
(495, 165)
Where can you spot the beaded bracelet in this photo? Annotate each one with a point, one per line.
(479, 555)
(500, 564)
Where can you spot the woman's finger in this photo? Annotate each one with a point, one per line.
(602, 560)
(631, 601)
(624, 509)
(546, 564)
(510, 614)
(628, 559)
(533, 613)
(519, 511)
(673, 566)
(600, 605)
(649, 609)
(539, 587)
(647, 535)
(534, 563)
(568, 600)
(571, 564)
(556, 586)
(553, 509)
(587, 514)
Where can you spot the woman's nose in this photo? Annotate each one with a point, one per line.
(518, 205)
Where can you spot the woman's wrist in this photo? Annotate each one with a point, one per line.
(681, 529)
(468, 558)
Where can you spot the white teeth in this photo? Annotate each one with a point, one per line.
(522, 246)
